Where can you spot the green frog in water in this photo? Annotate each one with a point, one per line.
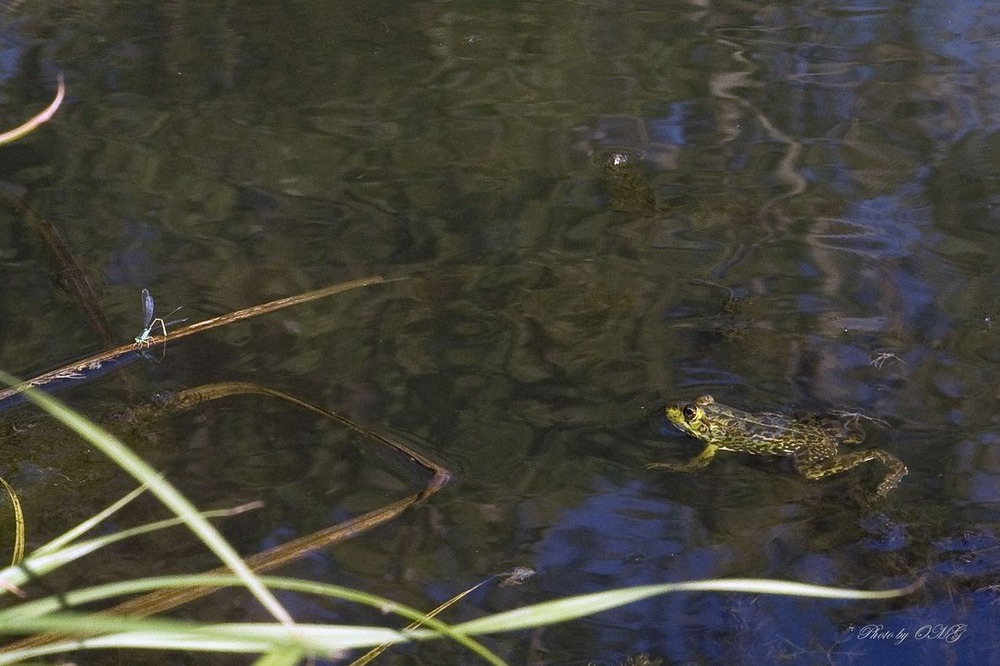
(813, 444)
(629, 190)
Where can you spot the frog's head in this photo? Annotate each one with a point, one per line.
(692, 417)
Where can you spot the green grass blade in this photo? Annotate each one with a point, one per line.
(562, 610)
(282, 657)
(110, 591)
(51, 559)
(89, 524)
(110, 632)
(163, 490)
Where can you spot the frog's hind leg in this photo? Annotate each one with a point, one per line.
(817, 469)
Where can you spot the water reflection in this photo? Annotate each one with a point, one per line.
(823, 195)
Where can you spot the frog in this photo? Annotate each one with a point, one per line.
(628, 189)
(812, 443)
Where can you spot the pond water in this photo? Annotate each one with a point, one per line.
(809, 221)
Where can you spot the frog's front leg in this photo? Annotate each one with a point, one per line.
(697, 462)
(817, 469)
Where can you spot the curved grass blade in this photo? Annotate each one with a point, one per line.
(163, 490)
(10, 619)
(39, 564)
(15, 503)
(562, 610)
(36, 121)
(90, 523)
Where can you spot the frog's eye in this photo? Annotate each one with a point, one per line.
(690, 412)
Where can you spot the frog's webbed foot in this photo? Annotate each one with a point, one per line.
(696, 463)
(896, 469)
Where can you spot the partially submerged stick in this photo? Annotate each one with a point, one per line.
(86, 368)
(268, 560)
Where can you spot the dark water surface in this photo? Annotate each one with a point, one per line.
(813, 223)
